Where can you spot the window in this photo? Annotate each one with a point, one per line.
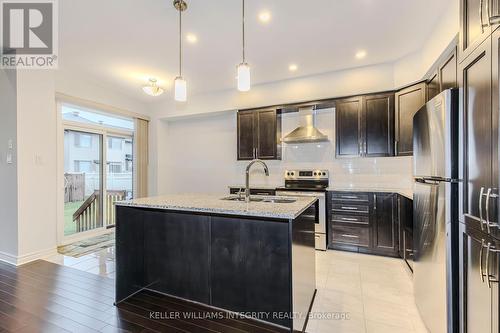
(84, 166)
(95, 118)
(115, 167)
(115, 143)
(83, 140)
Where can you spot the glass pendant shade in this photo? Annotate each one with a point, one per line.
(152, 89)
(243, 77)
(180, 89)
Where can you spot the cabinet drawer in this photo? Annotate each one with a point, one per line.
(349, 196)
(347, 207)
(359, 236)
(352, 219)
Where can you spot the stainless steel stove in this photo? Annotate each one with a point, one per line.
(309, 183)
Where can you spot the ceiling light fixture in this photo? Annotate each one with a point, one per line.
(191, 38)
(293, 67)
(265, 16)
(180, 84)
(152, 88)
(360, 54)
(243, 68)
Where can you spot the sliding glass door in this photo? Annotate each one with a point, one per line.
(98, 170)
(119, 173)
(83, 203)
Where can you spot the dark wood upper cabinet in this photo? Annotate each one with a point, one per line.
(246, 135)
(474, 24)
(384, 224)
(433, 86)
(348, 119)
(448, 72)
(475, 102)
(267, 147)
(378, 125)
(259, 134)
(408, 102)
(365, 126)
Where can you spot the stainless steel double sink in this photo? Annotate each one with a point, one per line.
(270, 199)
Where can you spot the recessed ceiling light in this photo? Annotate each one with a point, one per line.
(360, 54)
(293, 67)
(191, 38)
(265, 16)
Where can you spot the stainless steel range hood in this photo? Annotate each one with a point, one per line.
(307, 131)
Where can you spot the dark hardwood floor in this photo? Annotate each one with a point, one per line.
(46, 297)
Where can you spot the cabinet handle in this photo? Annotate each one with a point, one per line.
(374, 202)
(349, 208)
(349, 236)
(349, 197)
(396, 147)
(481, 15)
(481, 261)
(481, 193)
(488, 210)
(348, 219)
(488, 23)
(488, 280)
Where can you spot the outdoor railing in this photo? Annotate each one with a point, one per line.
(88, 216)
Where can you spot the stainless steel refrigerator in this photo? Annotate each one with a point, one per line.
(435, 211)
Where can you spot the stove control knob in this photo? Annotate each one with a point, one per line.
(288, 173)
(324, 173)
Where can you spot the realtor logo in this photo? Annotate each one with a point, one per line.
(29, 34)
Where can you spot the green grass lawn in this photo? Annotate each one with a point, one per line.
(69, 209)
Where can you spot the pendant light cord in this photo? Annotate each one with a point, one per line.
(243, 29)
(180, 42)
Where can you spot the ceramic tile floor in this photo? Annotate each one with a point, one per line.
(101, 262)
(356, 292)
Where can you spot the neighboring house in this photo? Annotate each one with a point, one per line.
(82, 155)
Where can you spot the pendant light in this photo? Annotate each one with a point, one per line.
(180, 85)
(152, 89)
(243, 68)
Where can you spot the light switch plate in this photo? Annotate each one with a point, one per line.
(9, 158)
(10, 145)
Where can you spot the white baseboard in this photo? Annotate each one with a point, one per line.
(26, 258)
(8, 258)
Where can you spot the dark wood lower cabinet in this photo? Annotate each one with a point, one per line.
(479, 274)
(364, 222)
(385, 231)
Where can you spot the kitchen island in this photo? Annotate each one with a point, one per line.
(255, 259)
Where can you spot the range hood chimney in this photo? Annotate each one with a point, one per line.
(307, 131)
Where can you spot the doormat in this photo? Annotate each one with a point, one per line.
(94, 244)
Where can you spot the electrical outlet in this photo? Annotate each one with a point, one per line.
(9, 158)
(10, 145)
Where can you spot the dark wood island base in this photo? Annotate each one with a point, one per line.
(258, 267)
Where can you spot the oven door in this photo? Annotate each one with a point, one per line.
(320, 227)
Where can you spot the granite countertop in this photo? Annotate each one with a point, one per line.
(406, 192)
(209, 203)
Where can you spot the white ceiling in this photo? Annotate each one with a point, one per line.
(124, 42)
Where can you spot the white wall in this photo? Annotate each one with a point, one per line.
(202, 158)
(37, 167)
(412, 67)
(8, 172)
(88, 89)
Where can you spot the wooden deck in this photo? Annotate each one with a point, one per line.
(46, 297)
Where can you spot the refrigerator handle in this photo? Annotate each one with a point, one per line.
(488, 280)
